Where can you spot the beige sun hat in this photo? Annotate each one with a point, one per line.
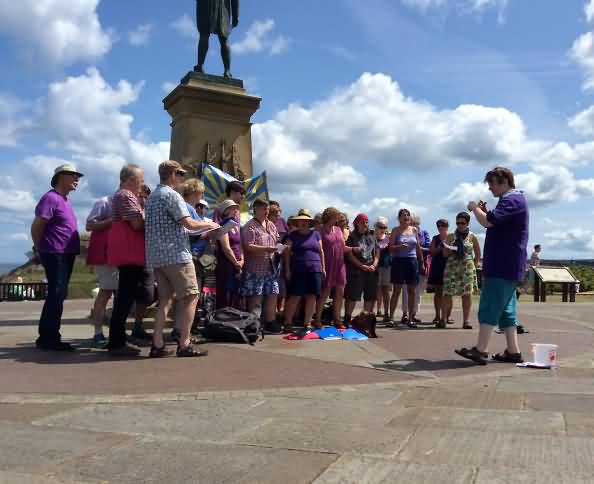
(226, 204)
(67, 168)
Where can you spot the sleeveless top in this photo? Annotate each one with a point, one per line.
(411, 242)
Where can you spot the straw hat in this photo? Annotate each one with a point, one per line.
(303, 214)
(64, 169)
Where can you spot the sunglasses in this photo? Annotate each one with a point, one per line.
(381, 227)
(180, 173)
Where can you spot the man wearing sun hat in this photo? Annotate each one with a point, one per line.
(56, 243)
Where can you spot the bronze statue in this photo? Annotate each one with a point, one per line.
(216, 17)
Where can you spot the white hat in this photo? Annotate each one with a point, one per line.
(67, 168)
(226, 204)
(203, 202)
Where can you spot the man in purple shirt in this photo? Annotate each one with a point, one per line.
(504, 263)
(56, 244)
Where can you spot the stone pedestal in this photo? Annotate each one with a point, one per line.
(211, 122)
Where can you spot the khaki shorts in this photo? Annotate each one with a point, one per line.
(107, 277)
(177, 280)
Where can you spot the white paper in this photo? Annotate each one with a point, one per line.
(280, 248)
(450, 247)
(217, 232)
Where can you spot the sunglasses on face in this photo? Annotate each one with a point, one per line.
(382, 227)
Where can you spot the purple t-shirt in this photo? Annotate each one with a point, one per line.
(305, 253)
(505, 243)
(61, 234)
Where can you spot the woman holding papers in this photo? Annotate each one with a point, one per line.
(229, 258)
(459, 278)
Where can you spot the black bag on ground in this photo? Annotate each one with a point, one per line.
(231, 325)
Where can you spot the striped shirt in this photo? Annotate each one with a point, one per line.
(126, 206)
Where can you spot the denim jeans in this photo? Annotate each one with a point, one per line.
(58, 269)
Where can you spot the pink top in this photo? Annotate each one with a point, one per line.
(333, 245)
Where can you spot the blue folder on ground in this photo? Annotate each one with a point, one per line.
(329, 333)
(353, 335)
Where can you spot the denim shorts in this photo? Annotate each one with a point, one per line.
(305, 284)
(405, 270)
(498, 304)
(253, 285)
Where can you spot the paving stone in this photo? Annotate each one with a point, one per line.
(546, 385)
(171, 420)
(26, 413)
(525, 421)
(21, 478)
(517, 476)
(31, 449)
(580, 424)
(442, 397)
(156, 461)
(326, 410)
(560, 403)
(567, 372)
(343, 437)
(369, 470)
(499, 449)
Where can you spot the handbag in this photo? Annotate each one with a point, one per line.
(125, 245)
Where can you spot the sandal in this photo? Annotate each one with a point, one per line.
(189, 351)
(473, 354)
(450, 321)
(288, 328)
(436, 320)
(339, 325)
(441, 324)
(466, 325)
(158, 352)
(507, 357)
(411, 324)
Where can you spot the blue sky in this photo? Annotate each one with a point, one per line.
(367, 106)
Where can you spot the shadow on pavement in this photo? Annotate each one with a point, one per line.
(420, 364)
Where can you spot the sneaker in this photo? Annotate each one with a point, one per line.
(54, 346)
(273, 327)
(138, 332)
(99, 340)
(125, 350)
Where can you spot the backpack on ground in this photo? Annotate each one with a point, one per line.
(231, 325)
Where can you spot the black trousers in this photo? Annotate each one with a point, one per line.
(58, 269)
(135, 284)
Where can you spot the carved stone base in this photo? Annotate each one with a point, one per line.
(211, 121)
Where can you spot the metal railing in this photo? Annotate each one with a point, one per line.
(23, 291)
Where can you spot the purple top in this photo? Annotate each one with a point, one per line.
(505, 243)
(305, 253)
(234, 239)
(61, 234)
(410, 251)
(281, 227)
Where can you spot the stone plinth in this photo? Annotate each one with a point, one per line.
(211, 121)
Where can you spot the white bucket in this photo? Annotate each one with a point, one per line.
(545, 354)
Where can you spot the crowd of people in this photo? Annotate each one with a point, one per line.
(283, 269)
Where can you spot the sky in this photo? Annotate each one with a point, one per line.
(366, 106)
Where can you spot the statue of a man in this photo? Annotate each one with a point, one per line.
(216, 17)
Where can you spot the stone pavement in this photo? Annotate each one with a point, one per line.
(400, 409)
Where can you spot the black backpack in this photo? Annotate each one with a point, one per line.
(231, 325)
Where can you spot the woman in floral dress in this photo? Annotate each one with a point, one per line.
(459, 278)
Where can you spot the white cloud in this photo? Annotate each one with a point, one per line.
(15, 199)
(582, 50)
(544, 186)
(168, 86)
(577, 240)
(62, 31)
(19, 236)
(463, 6)
(13, 119)
(258, 39)
(589, 10)
(583, 122)
(140, 35)
(185, 26)
(83, 113)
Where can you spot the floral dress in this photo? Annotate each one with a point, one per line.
(459, 277)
